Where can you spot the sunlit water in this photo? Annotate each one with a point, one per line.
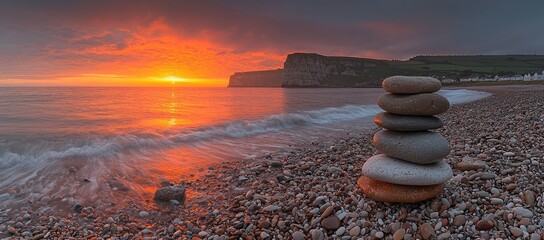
(72, 143)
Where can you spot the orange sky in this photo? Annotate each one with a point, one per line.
(160, 56)
(153, 55)
(133, 52)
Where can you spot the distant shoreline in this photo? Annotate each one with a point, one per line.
(456, 84)
(497, 83)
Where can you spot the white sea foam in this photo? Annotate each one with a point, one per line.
(459, 96)
(280, 122)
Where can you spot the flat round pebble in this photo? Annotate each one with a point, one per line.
(427, 231)
(516, 232)
(484, 225)
(399, 234)
(340, 231)
(271, 208)
(411, 84)
(264, 235)
(355, 231)
(144, 214)
(389, 192)
(522, 212)
(387, 169)
(331, 223)
(423, 104)
(407, 123)
(298, 235)
(421, 147)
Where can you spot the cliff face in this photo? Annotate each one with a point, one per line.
(313, 70)
(269, 78)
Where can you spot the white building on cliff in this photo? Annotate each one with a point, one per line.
(517, 77)
(534, 77)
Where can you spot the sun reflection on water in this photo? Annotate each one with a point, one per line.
(173, 109)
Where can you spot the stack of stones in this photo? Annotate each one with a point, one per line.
(410, 168)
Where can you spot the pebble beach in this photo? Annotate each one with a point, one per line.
(311, 192)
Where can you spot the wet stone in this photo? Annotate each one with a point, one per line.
(276, 164)
(427, 231)
(411, 84)
(516, 232)
(166, 194)
(522, 212)
(484, 225)
(78, 208)
(331, 223)
(459, 220)
(298, 235)
(399, 234)
(421, 147)
(407, 123)
(529, 197)
(387, 169)
(423, 104)
(388, 192)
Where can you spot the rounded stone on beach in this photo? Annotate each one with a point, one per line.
(330, 223)
(143, 214)
(421, 147)
(298, 235)
(484, 225)
(166, 194)
(423, 104)
(399, 234)
(411, 84)
(407, 123)
(389, 192)
(391, 170)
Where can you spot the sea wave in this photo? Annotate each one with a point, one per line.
(280, 122)
(459, 96)
(111, 146)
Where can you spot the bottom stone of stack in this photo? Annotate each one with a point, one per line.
(389, 192)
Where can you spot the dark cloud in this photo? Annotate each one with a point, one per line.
(447, 26)
(390, 29)
(115, 40)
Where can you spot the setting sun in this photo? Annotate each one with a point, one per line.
(174, 79)
(186, 81)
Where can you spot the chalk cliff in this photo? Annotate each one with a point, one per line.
(314, 70)
(268, 78)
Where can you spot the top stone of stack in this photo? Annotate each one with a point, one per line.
(411, 85)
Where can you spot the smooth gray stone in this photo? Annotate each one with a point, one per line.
(407, 123)
(422, 104)
(421, 147)
(387, 169)
(411, 84)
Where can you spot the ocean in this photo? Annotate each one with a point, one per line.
(87, 143)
